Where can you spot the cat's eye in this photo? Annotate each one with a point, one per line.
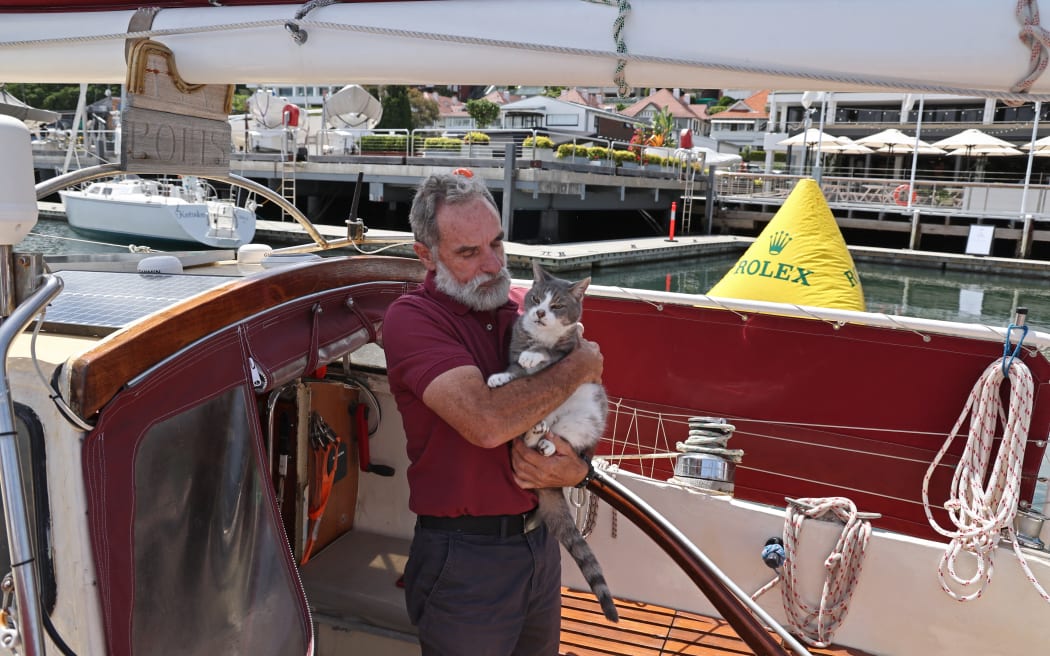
(557, 306)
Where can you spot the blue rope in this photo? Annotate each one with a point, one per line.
(1017, 347)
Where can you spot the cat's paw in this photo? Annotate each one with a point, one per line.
(546, 447)
(538, 431)
(530, 359)
(500, 379)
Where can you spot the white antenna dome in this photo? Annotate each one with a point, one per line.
(18, 208)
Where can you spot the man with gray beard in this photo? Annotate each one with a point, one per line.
(482, 577)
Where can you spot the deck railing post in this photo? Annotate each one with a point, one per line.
(916, 231)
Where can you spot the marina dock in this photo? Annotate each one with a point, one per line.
(585, 255)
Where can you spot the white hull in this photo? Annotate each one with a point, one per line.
(211, 223)
(811, 44)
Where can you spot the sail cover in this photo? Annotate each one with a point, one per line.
(353, 107)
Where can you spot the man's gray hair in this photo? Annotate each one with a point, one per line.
(451, 188)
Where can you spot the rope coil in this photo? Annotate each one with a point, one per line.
(982, 513)
(816, 625)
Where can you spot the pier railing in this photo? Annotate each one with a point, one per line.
(897, 196)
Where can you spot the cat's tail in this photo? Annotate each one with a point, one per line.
(554, 510)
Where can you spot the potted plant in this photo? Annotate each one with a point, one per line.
(571, 152)
(383, 144)
(441, 146)
(538, 148)
(476, 144)
(625, 158)
(598, 155)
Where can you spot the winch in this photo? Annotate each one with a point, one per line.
(705, 462)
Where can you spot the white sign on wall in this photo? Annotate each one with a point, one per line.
(980, 240)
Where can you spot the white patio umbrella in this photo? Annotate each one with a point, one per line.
(1040, 146)
(810, 138)
(924, 149)
(847, 146)
(890, 140)
(987, 151)
(971, 140)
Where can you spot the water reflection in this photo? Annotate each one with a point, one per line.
(896, 290)
(953, 296)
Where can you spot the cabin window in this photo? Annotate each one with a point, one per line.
(204, 530)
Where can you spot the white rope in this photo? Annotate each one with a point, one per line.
(816, 625)
(983, 513)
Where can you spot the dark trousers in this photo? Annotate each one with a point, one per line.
(480, 595)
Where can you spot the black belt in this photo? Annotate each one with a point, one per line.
(498, 525)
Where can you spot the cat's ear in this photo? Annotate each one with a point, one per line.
(538, 272)
(578, 288)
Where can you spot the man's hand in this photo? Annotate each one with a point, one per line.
(591, 358)
(532, 469)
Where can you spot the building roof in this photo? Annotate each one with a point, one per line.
(751, 108)
(581, 97)
(447, 105)
(661, 98)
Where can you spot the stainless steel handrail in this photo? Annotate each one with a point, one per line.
(16, 513)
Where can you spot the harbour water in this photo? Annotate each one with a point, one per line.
(954, 296)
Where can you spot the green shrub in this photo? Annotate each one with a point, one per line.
(654, 159)
(541, 142)
(476, 138)
(383, 142)
(572, 150)
(621, 156)
(596, 153)
(442, 143)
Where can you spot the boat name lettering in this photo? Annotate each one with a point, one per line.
(193, 212)
(155, 141)
(767, 269)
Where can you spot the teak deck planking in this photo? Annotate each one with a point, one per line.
(650, 630)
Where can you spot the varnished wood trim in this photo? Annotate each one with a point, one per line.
(97, 375)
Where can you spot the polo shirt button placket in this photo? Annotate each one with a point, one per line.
(488, 326)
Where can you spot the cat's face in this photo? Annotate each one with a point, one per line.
(553, 306)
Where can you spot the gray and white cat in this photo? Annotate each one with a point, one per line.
(548, 330)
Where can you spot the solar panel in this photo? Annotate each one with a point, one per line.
(98, 303)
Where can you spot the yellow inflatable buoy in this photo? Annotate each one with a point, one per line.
(800, 258)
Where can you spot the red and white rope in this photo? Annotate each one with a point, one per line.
(816, 625)
(982, 503)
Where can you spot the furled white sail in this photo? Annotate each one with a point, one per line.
(965, 47)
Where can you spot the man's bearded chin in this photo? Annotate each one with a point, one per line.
(483, 293)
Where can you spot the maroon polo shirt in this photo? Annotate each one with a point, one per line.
(425, 334)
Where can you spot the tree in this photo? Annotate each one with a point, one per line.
(483, 112)
(663, 126)
(425, 112)
(724, 103)
(397, 113)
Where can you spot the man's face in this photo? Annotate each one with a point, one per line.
(469, 261)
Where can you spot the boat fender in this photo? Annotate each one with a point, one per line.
(290, 114)
(900, 195)
(165, 264)
(773, 554)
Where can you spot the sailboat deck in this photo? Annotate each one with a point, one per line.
(649, 630)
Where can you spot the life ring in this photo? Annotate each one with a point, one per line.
(900, 195)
